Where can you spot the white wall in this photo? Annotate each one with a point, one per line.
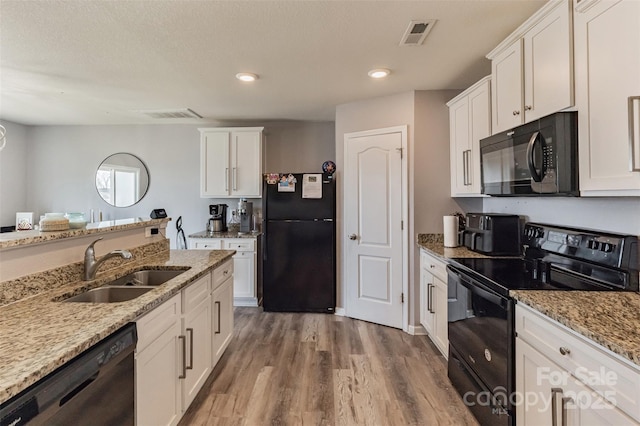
(619, 214)
(61, 162)
(13, 174)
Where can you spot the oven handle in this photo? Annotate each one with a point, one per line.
(477, 287)
(537, 177)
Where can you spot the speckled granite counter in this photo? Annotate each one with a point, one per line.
(434, 243)
(611, 319)
(230, 234)
(40, 334)
(23, 238)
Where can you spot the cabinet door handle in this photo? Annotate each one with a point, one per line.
(634, 133)
(430, 297)
(516, 112)
(226, 179)
(218, 304)
(528, 107)
(565, 351)
(554, 405)
(184, 357)
(469, 179)
(235, 178)
(190, 366)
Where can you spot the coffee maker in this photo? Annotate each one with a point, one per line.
(245, 210)
(218, 220)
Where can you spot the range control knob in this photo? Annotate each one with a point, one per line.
(607, 247)
(593, 245)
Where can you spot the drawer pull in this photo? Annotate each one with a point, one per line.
(564, 351)
(190, 332)
(554, 405)
(183, 339)
(432, 266)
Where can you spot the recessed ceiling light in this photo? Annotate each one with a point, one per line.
(379, 73)
(246, 76)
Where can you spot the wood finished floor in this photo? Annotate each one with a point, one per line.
(316, 369)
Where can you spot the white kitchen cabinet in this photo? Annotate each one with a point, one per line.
(245, 265)
(222, 298)
(197, 337)
(469, 121)
(231, 162)
(433, 301)
(597, 386)
(158, 364)
(532, 70)
(607, 57)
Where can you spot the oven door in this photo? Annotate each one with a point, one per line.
(480, 325)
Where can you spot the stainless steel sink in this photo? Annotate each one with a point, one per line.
(109, 294)
(146, 277)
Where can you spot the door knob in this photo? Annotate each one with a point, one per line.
(353, 236)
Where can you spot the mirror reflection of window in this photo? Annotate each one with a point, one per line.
(122, 180)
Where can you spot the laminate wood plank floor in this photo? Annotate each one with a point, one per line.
(317, 369)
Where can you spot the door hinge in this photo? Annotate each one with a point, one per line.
(401, 297)
(400, 151)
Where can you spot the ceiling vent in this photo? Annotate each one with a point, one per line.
(417, 32)
(171, 113)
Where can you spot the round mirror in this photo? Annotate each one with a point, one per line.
(122, 179)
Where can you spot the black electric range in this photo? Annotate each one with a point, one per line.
(481, 312)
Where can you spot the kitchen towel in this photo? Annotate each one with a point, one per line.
(450, 231)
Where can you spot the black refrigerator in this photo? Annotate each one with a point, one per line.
(300, 247)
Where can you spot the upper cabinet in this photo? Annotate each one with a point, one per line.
(607, 56)
(532, 70)
(469, 121)
(231, 162)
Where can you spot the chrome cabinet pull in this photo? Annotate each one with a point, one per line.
(528, 107)
(469, 179)
(554, 405)
(430, 298)
(564, 351)
(226, 179)
(190, 366)
(634, 134)
(516, 112)
(235, 178)
(184, 357)
(218, 330)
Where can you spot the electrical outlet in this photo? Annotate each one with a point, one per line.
(151, 231)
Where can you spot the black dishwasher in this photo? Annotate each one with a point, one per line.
(94, 388)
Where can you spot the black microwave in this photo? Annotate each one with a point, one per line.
(537, 158)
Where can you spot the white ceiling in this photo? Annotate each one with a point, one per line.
(99, 61)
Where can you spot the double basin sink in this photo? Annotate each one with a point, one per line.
(126, 288)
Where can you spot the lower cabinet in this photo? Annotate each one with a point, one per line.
(179, 343)
(433, 300)
(565, 379)
(245, 265)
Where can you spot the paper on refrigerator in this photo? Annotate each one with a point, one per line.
(312, 185)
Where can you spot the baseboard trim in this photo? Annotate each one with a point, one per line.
(417, 330)
(340, 312)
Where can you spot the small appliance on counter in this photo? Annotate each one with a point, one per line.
(493, 234)
(218, 220)
(245, 211)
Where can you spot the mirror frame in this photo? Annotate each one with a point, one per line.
(143, 169)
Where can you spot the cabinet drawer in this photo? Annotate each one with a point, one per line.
(221, 273)
(154, 323)
(433, 265)
(208, 245)
(196, 293)
(600, 369)
(241, 244)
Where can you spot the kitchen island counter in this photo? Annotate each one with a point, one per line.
(41, 333)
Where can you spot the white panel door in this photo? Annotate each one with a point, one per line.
(373, 228)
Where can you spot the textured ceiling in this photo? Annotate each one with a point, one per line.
(100, 62)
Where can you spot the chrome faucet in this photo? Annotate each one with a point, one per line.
(91, 265)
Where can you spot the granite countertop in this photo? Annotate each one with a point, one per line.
(23, 238)
(39, 333)
(229, 234)
(434, 243)
(609, 318)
